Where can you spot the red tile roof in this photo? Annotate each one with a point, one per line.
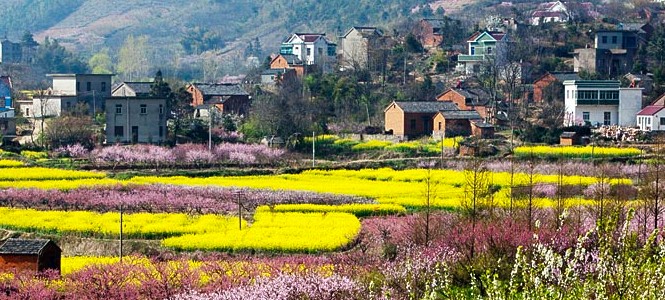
(650, 110)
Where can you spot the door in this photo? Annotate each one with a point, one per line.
(135, 134)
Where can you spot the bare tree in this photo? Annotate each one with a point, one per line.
(478, 195)
(652, 188)
(46, 107)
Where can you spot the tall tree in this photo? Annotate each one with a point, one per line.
(134, 58)
(101, 63)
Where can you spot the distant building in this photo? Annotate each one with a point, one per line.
(288, 61)
(550, 12)
(30, 255)
(312, 49)
(613, 53)
(600, 102)
(10, 52)
(133, 116)
(358, 44)
(413, 119)
(429, 32)
(228, 98)
(545, 81)
(484, 47)
(274, 76)
(68, 90)
(652, 117)
(7, 111)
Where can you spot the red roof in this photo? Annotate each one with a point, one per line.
(650, 110)
(309, 37)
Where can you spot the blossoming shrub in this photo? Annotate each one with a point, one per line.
(277, 232)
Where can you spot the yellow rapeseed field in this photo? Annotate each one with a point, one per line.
(8, 163)
(278, 232)
(36, 174)
(575, 151)
(358, 209)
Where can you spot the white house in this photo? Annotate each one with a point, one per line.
(651, 118)
(550, 12)
(69, 89)
(312, 49)
(601, 102)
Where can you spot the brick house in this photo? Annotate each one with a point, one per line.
(540, 84)
(468, 99)
(288, 61)
(482, 129)
(449, 123)
(429, 32)
(227, 97)
(30, 255)
(412, 119)
(133, 116)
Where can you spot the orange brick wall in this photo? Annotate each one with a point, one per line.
(394, 119)
(18, 262)
(423, 31)
(540, 85)
(197, 96)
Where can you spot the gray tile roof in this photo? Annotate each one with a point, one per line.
(292, 59)
(426, 106)
(562, 76)
(483, 124)
(21, 246)
(140, 88)
(461, 115)
(436, 23)
(221, 89)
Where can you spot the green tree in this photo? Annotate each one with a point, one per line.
(134, 58)
(101, 63)
(54, 58)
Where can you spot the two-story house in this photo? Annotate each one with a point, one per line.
(600, 102)
(613, 53)
(68, 90)
(484, 47)
(314, 49)
(429, 32)
(133, 116)
(359, 46)
(7, 117)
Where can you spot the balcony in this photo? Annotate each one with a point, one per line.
(470, 58)
(598, 102)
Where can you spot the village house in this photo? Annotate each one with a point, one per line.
(613, 53)
(358, 46)
(68, 90)
(7, 112)
(468, 99)
(36, 255)
(541, 84)
(652, 117)
(288, 61)
(550, 12)
(450, 123)
(487, 47)
(10, 52)
(274, 76)
(600, 102)
(413, 119)
(228, 98)
(429, 32)
(314, 49)
(133, 116)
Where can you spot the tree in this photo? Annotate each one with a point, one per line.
(478, 195)
(652, 189)
(100, 62)
(54, 58)
(71, 128)
(181, 112)
(134, 58)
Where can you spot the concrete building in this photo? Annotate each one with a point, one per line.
(613, 53)
(357, 45)
(600, 102)
(10, 52)
(132, 116)
(312, 49)
(68, 90)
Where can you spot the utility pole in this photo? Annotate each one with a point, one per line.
(210, 114)
(121, 232)
(313, 149)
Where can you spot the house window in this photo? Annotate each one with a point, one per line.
(161, 109)
(662, 121)
(614, 40)
(440, 126)
(607, 118)
(161, 131)
(118, 131)
(118, 109)
(309, 51)
(604, 40)
(27, 112)
(144, 109)
(473, 50)
(88, 86)
(585, 116)
(489, 50)
(413, 124)
(78, 86)
(103, 87)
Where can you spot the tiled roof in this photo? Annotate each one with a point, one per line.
(561, 76)
(221, 89)
(310, 37)
(436, 23)
(650, 110)
(549, 14)
(461, 115)
(497, 35)
(292, 59)
(140, 88)
(21, 246)
(426, 106)
(482, 124)
(274, 71)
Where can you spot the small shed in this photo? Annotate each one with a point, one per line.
(32, 255)
(569, 138)
(482, 129)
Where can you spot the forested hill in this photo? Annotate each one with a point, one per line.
(87, 25)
